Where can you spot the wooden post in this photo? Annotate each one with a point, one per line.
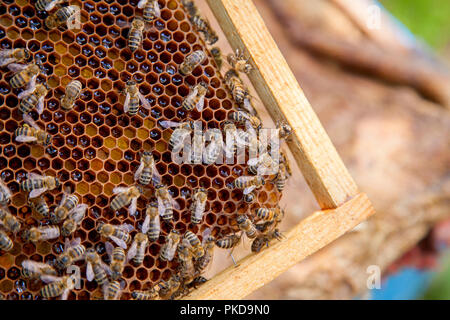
(277, 87)
(309, 236)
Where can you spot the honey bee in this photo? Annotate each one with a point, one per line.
(25, 75)
(170, 247)
(196, 98)
(63, 16)
(169, 287)
(238, 62)
(34, 270)
(247, 226)
(137, 249)
(248, 183)
(33, 98)
(151, 9)
(151, 225)
(263, 240)
(208, 245)
(228, 242)
(250, 197)
(73, 251)
(58, 286)
(200, 23)
(37, 184)
(179, 135)
(133, 99)
(284, 172)
(68, 203)
(147, 170)
(119, 234)
(193, 243)
(145, 295)
(198, 205)
(187, 271)
(47, 5)
(6, 243)
(8, 221)
(30, 132)
(96, 268)
(40, 206)
(191, 62)
(5, 193)
(250, 121)
(262, 165)
(270, 214)
(236, 86)
(135, 35)
(13, 56)
(36, 234)
(74, 219)
(217, 55)
(166, 204)
(113, 290)
(118, 260)
(126, 196)
(73, 91)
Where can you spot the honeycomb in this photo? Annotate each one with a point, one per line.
(96, 147)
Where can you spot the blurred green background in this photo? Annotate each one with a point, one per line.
(427, 19)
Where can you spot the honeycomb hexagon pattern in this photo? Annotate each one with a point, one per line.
(96, 146)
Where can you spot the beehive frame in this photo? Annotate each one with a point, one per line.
(343, 206)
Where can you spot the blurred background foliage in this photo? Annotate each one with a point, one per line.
(427, 19)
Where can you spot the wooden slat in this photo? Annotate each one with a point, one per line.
(278, 89)
(309, 236)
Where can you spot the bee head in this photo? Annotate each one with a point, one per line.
(100, 226)
(25, 235)
(115, 274)
(48, 139)
(64, 260)
(26, 54)
(131, 82)
(213, 39)
(57, 182)
(138, 23)
(241, 219)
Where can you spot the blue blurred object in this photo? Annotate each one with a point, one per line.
(407, 284)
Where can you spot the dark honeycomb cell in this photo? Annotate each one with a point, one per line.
(97, 147)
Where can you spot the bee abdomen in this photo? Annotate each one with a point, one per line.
(30, 184)
(17, 81)
(135, 39)
(6, 243)
(146, 176)
(28, 103)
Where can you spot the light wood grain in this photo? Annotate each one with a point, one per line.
(310, 235)
(278, 89)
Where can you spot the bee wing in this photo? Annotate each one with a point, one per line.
(169, 124)
(65, 294)
(23, 138)
(156, 176)
(132, 251)
(29, 120)
(16, 67)
(126, 104)
(33, 265)
(200, 104)
(146, 224)
(119, 242)
(32, 84)
(75, 242)
(126, 227)
(161, 206)
(249, 189)
(144, 102)
(36, 192)
(175, 204)
(89, 272)
(32, 175)
(105, 267)
(5, 189)
(253, 161)
(40, 105)
(79, 212)
(51, 5)
(109, 248)
(138, 172)
(49, 279)
(117, 190)
(133, 206)
(25, 93)
(157, 10)
(142, 4)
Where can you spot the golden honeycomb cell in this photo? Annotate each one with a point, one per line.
(96, 147)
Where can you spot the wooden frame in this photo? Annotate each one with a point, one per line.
(343, 206)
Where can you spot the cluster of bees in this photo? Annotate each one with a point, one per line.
(193, 255)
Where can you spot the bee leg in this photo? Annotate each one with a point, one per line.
(234, 261)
